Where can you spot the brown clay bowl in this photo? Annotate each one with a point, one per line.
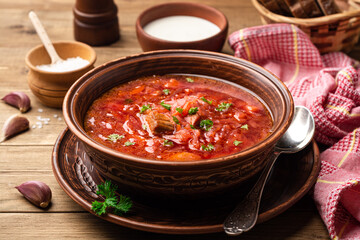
(51, 87)
(178, 179)
(213, 43)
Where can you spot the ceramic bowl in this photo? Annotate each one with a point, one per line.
(213, 43)
(194, 179)
(50, 87)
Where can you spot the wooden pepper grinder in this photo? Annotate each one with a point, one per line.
(96, 22)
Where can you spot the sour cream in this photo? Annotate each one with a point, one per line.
(181, 28)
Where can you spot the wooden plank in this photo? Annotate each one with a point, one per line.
(46, 135)
(19, 164)
(11, 201)
(25, 158)
(301, 225)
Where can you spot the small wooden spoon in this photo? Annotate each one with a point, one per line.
(44, 38)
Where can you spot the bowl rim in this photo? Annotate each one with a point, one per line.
(34, 68)
(68, 108)
(223, 28)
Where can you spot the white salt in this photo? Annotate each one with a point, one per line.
(181, 28)
(67, 65)
(39, 124)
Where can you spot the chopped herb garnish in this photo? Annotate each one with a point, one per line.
(192, 126)
(129, 143)
(107, 190)
(189, 80)
(180, 110)
(167, 106)
(206, 124)
(236, 142)
(144, 108)
(193, 110)
(168, 143)
(245, 126)
(114, 137)
(205, 100)
(144, 126)
(209, 147)
(166, 91)
(128, 100)
(222, 107)
(176, 120)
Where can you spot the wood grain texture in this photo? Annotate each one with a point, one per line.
(85, 226)
(28, 156)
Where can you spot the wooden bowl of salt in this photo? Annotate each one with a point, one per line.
(50, 82)
(182, 25)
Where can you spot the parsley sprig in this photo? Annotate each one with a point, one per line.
(114, 137)
(120, 204)
(193, 110)
(166, 91)
(222, 107)
(236, 142)
(128, 143)
(205, 100)
(245, 126)
(168, 143)
(144, 108)
(166, 106)
(176, 120)
(206, 124)
(209, 147)
(179, 110)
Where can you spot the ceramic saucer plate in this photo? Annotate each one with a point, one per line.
(292, 177)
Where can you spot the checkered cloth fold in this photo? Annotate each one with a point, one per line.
(329, 86)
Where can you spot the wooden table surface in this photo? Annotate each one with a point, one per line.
(28, 156)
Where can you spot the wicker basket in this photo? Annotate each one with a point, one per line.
(337, 32)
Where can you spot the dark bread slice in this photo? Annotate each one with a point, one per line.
(311, 8)
(328, 7)
(271, 5)
(296, 8)
(284, 8)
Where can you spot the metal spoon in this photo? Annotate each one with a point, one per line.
(44, 38)
(296, 138)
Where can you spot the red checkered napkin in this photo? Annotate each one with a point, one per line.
(328, 85)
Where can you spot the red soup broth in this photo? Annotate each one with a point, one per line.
(178, 118)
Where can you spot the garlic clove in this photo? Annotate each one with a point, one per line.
(13, 126)
(19, 100)
(36, 192)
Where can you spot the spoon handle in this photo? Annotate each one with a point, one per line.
(244, 216)
(44, 37)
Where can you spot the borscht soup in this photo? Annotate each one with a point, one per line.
(178, 118)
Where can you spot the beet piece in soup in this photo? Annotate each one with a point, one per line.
(178, 118)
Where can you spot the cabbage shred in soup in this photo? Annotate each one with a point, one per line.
(178, 118)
